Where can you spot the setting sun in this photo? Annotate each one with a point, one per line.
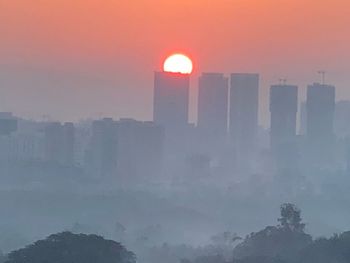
(178, 63)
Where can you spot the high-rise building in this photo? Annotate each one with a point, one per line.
(341, 119)
(283, 140)
(8, 123)
(139, 150)
(303, 118)
(68, 143)
(244, 104)
(24, 142)
(26, 147)
(283, 109)
(59, 143)
(125, 150)
(320, 111)
(213, 104)
(101, 156)
(171, 99)
(320, 106)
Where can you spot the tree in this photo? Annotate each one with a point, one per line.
(283, 241)
(335, 249)
(67, 247)
(291, 218)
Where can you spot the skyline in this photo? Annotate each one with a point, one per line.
(175, 131)
(193, 108)
(84, 60)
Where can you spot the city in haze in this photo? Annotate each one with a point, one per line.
(97, 57)
(159, 131)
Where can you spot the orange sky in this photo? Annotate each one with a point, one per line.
(98, 56)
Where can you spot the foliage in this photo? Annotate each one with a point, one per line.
(333, 250)
(283, 241)
(291, 218)
(71, 248)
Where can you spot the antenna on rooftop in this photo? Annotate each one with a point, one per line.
(323, 76)
(283, 81)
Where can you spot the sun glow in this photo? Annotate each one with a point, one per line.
(178, 63)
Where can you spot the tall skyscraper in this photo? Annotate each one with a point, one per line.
(213, 104)
(244, 104)
(171, 99)
(303, 118)
(341, 119)
(320, 111)
(320, 106)
(283, 109)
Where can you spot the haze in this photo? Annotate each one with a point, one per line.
(86, 58)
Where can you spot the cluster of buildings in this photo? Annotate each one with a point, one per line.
(30, 141)
(102, 149)
(228, 131)
(227, 137)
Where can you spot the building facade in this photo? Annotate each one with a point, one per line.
(320, 106)
(283, 109)
(213, 104)
(171, 100)
(243, 120)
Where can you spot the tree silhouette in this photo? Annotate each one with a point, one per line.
(291, 218)
(335, 250)
(280, 242)
(71, 248)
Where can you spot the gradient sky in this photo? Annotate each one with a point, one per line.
(73, 59)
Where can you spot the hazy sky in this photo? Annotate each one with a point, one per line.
(73, 59)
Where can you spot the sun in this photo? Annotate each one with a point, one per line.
(178, 63)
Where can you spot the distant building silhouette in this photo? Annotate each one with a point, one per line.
(347, 156)
(101, 159)
(320, 120)
(127, 149)
(283, 144)
(82, 140)
(244, 104)
(283, 109)
(8, 123)
(27, 147)
(283, 139)
(69, 143)
(170, 111)
(171, 100)
(342, 119)
(59, 143)
(213, 105)
(26, 144)
(139, 150)
(303, 118)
